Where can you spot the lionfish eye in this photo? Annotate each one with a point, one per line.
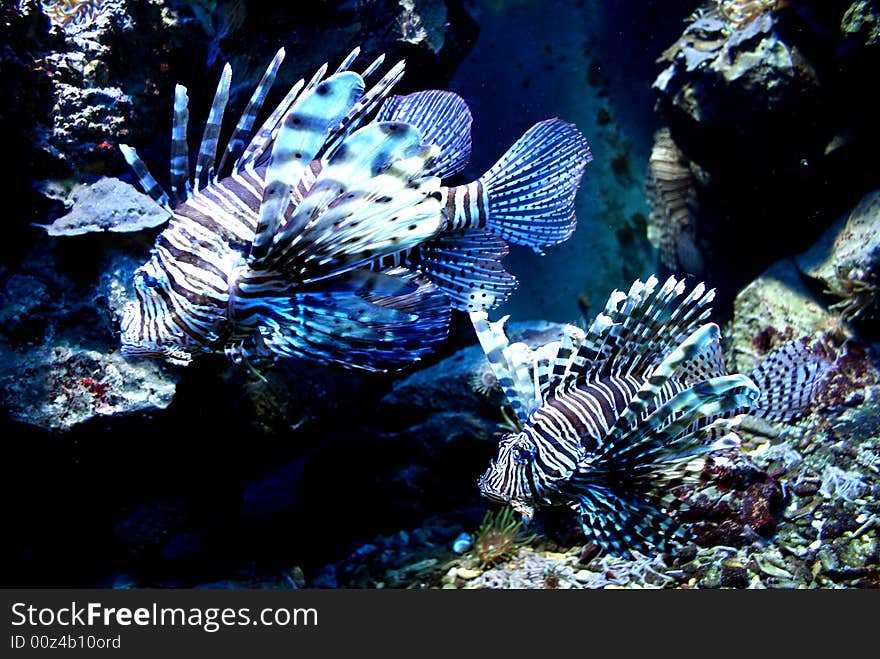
(523, 455)
(148, 280)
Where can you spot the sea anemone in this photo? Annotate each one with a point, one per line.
(740, 12)
(498, 538)
(484, 381)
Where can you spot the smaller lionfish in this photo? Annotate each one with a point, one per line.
(326, 233)
(615, 417)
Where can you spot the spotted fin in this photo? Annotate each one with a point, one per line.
(531, 189)
(443, 118)
(792, 378)
(376, 321)
(303, 132)
(373, 198)
(466, 265)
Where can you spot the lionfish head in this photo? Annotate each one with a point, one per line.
(148, 327)
(509, 479)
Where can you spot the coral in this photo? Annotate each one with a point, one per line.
(846, 485)
(108, 204)
(64, 13)
(498, 538)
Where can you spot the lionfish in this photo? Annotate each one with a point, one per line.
(326, 232)
(613, 418)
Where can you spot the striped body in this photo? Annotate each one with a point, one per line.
(559, 438)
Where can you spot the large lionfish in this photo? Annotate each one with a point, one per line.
(327, 234)
(613, 418)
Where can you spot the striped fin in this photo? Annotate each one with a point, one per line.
(659, 438)
(371, 200)
(531, 189)
(572, 338)
(443, 118)
(262, 142)
(180, 183)
(242, 133)
(375, 321)
(620, 522)
(303, 133)
(145, 179)
(792, 378)
(511, 364)
(208, 148)
(695, 345)
(466, 266)
(638, 329)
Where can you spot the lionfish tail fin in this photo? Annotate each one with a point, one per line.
(443, 118)
(619, 522)
(792, 378)
(466, 265)
(531, 189)
(511, 364)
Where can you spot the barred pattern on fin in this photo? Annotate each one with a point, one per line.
(208, 148)
(531, 189)
(443, 118)
(791, 378)
(242, 133)
(303, 133)
(466, 265)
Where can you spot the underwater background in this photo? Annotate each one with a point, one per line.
(734, 141)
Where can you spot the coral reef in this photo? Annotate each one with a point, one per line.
(779, 146)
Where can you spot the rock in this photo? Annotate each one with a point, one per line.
(861, 23)
(847, 258)
(746, 100)
(107, 205)
(775, 308)
(59, 386)
(467, 573)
